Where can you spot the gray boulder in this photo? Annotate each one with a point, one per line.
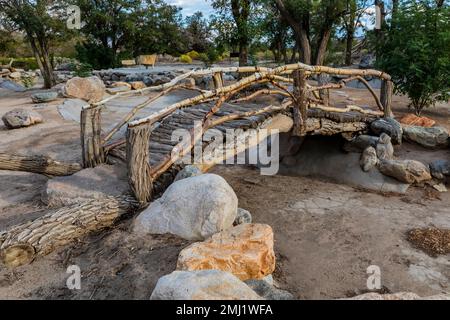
(194, 208)
(267, 291)
(433, 137)
(369, 159)
(440, 169)
(389, 126)
(11, 85)
(187, 172)
(409, 171)
(361, 143)
(19, 118)
(42, 97)
(243, 216)
(202, 285)
(385, 150)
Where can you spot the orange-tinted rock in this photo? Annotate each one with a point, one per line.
(136, 85)
(413, 120)
(245, 251)
(89, 89)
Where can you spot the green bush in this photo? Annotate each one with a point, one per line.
(185, 58)
(82, 70)
(193, 54)
(416, 53)
(210, 57)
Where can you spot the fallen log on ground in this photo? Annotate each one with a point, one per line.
(37, 164)
(22, 243)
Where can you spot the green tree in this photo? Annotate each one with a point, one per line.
(197, 32)
(43, 24)
(107, 26)
(415, 51)
(312, 23)
(240, 11)
(158, 29)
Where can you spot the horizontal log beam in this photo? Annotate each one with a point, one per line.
(37, 164)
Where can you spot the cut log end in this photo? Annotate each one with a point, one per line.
(17, 255)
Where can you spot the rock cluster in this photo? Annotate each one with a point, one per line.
(204, 207)
(148, 77)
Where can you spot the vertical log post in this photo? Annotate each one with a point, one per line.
(91, 141)
(324, 94)
(218, 80)
(138, 162)
(300, 105)
(387, 88)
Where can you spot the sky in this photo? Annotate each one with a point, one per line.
(191, 6)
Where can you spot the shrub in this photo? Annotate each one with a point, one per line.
(416, 53)
(193, 54)
(82, 70)
(185, 58)
(210, 57)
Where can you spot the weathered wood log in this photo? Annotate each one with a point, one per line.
(22, 243)
(300, 103)
(325, 93)
(37, 164)
(218, 80)
(387, 88)
(91, 140)
(138, 156)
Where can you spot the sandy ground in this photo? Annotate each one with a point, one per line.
(326, 234)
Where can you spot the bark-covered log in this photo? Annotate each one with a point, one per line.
(22, 243)
(300, 103)
(91, 141)
(138, 158)
(387, 88)
(37, 164)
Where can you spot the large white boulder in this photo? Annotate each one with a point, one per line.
(194, 208)
(202, 285)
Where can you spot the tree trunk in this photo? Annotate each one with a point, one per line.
(22, 243)
(322, 48)
(37, 164)
(301, 35)
(243, 55)
(44, 63)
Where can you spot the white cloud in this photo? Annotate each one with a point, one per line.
(191, 6)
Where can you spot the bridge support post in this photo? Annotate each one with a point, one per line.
(324, 94)
(218, 80)
(300, 104)
(91, 141)
(387, 88)
(138, 157)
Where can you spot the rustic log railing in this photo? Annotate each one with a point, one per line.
(303, 95)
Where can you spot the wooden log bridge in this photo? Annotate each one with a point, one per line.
(152, 154)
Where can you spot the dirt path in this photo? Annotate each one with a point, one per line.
(328, 234)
